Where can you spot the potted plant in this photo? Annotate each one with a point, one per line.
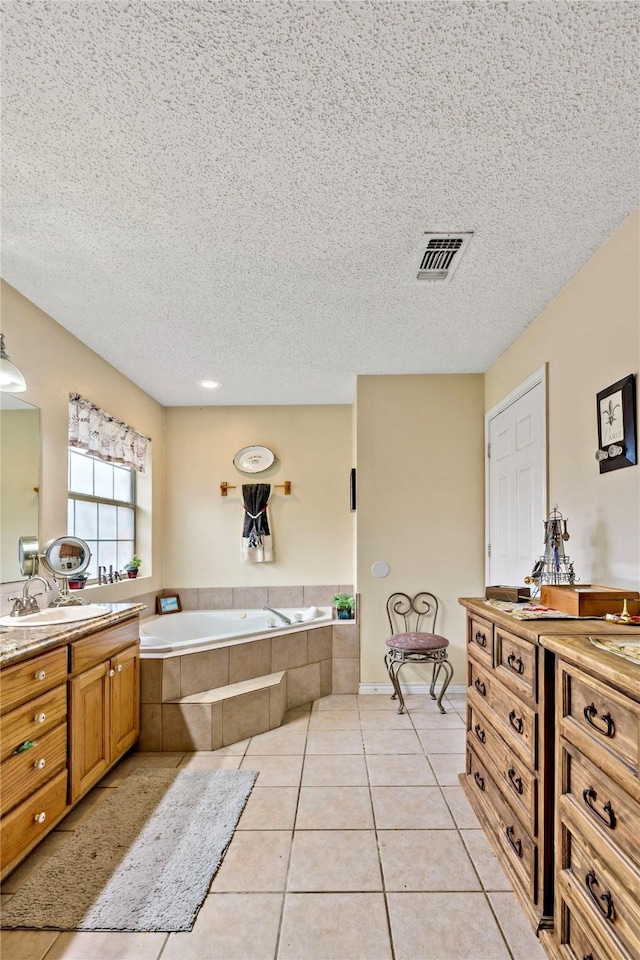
(345, 605)
(77, 581)
(132, 567)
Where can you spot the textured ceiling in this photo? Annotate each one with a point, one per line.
(236, 190)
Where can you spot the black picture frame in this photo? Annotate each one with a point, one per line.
(169, 604)
(616, 415)
(352, 490)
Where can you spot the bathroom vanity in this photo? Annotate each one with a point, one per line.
(69, 709)
(531, 741)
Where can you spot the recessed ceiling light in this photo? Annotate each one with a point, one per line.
(210, 384)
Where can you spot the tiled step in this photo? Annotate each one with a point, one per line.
(219, 717)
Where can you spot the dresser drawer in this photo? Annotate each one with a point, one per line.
(24, 773)
(29, 679)
(514, 720)
(607, 808)
(608, 899)
(32, 720)
(480, 638)
(603, 723)
(22, 828)
(516, 664)
(515, 779)
(515, 841)
(102, 645)
(579, 939)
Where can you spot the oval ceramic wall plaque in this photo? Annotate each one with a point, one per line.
(253, 459)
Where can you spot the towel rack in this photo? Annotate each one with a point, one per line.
(286, 486)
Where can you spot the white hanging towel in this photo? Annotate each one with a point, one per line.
(256, 533)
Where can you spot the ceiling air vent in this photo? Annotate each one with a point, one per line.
(440, 254)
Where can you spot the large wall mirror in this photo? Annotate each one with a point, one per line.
(19, 480)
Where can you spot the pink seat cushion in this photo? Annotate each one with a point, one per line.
(417, 641)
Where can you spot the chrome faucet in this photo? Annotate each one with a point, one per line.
(27, 604)
(278, 614)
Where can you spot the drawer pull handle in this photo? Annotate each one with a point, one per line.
(40, 817)
(479, 732)
(516, 781)
(516, 722)
(480, 687)
(591, 881)
(588, 956)
(588, 796)
(40, 717)
(479, 780)
(515, 844)
(590, 712)
(40, 675)
(480, 638)
(39, 764)
(515, 663)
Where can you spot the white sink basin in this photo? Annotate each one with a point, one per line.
(57, 615)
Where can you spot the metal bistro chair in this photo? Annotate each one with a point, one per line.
(409, 643)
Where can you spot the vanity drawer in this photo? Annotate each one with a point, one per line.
(32, 720)
(24, 773)
(589, 793)
(23, 827)
(515, 841)
(516, 664)
(102, 645)
(480, 638)
(607, 899)
(32, 677)
(602, 722)
(515, 779)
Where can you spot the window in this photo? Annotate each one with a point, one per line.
(102, 510)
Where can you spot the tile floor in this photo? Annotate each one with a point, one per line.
(357, 843)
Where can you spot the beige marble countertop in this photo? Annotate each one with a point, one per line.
(19, 643)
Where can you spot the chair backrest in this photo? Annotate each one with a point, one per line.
(412, 614)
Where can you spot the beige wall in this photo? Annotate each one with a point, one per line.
(311, 529)
(420, 503)
(19, 479)
(589, 336)
(55, 363)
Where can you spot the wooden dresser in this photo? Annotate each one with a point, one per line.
(67, 714)
(597, 804)
(510, 757)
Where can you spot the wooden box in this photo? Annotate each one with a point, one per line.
(504, 592)
(589, 599)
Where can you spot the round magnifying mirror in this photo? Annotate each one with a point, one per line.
(66, 557)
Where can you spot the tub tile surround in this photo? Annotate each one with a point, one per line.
(407, 864)
(183, 706)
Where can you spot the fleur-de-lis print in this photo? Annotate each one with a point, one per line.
(609, 413)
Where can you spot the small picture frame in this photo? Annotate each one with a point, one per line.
(168, 604)
(616, 412)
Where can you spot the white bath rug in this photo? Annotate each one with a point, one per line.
(143, 860)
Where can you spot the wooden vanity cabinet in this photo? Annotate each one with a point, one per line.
(104, 705)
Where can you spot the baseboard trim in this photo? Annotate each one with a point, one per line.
(454, 689)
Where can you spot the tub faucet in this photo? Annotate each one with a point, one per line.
(27, 604)
(278, 614)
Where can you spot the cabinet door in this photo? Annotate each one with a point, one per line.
(90, 724)
(125, 701)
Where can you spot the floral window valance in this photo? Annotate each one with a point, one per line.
(105, 437)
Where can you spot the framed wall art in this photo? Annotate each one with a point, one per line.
(168, 604)
(616, 412)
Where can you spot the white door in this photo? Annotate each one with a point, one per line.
(515, 431)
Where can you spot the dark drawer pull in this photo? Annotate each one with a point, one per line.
(590, 795)
(516, 722)
(591, 711)
(480, 687)
(515, 663)
(480, 638)
(516, 781)
(591, 881)
(516, 844)
(479, 732)
(587, 956)
(479, 780)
